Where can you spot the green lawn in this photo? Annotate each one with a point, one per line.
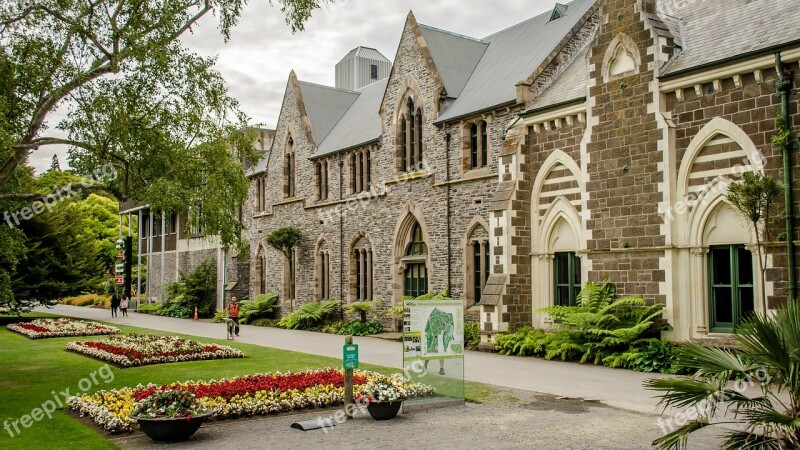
(34, 369)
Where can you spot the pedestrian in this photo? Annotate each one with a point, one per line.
(114, 304)
(233, 314)
(123, 305)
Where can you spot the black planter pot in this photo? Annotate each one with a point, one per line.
(171, 430)
(384, 411)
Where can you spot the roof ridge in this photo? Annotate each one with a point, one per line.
(546, 13)
(333, 88)
(452, 33)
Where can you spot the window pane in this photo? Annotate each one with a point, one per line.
(562, 296)
(746, 302)
(721, 266)
(576, 276)
(723, 305)
(562, 268)
(745, 269)
(473, 145)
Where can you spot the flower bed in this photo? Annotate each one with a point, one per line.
(62, 327)
(241, 396)
(140, 350)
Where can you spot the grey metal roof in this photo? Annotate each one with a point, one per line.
(455, 57)
(570, 85)
(325, 106)
(715, 32)
(512, 55)
(365, 52)
(360, 124)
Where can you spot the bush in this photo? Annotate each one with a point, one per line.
(261, 308)
(472, 335)
(148, 308)
(196, 290)
(602, 329)
(88, 300)
(657, 356)
(265, 323)
(359, 328)
(310, 316)
(219, 316)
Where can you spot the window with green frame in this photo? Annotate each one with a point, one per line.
(415, 275)
(730, 270)
(566, 279)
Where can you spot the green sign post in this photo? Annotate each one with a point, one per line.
(350, 356)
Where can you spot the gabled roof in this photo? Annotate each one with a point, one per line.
(324, 107)
(360, 125)
(713, 32)
(510, 57)
(570, 85)
(455, 56)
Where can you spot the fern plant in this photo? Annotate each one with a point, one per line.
(362, 309)
(603, 329)
(260, 308)
(310, 316)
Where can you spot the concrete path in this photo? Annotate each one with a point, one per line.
(614, 387)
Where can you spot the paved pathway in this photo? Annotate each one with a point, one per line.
(614, 387)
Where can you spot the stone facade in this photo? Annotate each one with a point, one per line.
(628, 173)
(631, 177)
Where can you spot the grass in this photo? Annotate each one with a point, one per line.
(32, 370)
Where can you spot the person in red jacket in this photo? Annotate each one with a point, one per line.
(233, 313)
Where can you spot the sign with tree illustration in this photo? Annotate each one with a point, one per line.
(433, 329)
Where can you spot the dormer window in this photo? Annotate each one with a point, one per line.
(558, 12)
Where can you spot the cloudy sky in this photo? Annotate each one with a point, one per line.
(262, 50)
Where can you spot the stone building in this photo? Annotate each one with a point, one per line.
(592, 142)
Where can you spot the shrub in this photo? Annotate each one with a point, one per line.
(359, 328)
(219, 316)
(148, 308)
(265, 323)
(472, 335)
(261, 308)
(196, 290)
(603, 329)
(88, 300)
(656, 356)
(310, 316)
(361, 308)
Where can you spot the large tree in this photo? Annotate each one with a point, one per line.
(114, 80)
(132, 96)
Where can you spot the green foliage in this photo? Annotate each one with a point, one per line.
(767, 358)
(198, 289)
(395, 311)
(472, 335)
(261, 308)
(600, 330)
(132, 96)
(754, 199)
(148, 308)
(265, 323)
(656, 356)
(359, 328)
(285, 239)
(602, 327)
(102, 300)
(783, 138)
(310, 316)
(12, 252)
(219, 316)
(361, 308)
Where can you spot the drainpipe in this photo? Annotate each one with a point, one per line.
(447, 137)
(784, 87)
(341, 232)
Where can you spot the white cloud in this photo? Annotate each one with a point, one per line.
(262, 50)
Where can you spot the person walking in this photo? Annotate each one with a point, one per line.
(233, 314)
(123, 305)
(114, 304)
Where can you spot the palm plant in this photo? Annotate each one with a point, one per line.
(769, 357)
